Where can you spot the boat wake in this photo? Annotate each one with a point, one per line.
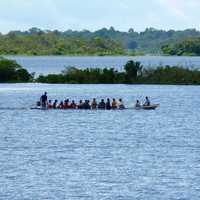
(13, 108)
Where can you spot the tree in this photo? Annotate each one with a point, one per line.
(23, 75)
(132, 70)
(131, 30)
(10, 71)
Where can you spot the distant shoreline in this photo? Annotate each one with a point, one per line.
(79, 55)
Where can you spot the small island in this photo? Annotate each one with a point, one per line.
(133, 73)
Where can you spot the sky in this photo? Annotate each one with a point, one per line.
(95, 14)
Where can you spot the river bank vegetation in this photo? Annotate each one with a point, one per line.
(133, 73)
(12, 72)
(101, 42)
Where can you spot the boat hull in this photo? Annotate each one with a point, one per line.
(151, 107)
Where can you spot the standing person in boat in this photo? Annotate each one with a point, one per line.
(121, 104)
(102, 105)
(147, 102)
(43, 100)
(137, 105)
(114, 104)
(108, 106)
(94, 104)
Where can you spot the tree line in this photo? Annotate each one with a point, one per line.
(101, 42)
(53, 44)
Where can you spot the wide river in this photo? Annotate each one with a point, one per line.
(55, 64)
(100, 155)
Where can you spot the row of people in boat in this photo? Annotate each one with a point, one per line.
(108, 105)
(86, 104)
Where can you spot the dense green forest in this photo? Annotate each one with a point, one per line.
(53, 44)
(190, 46)
(101, 42)
(133, 73)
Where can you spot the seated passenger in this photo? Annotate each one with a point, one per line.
(61, 105)
(73, 105)
(86, 105)
(80, 105)
(138, 105)
(38, 104)
(108, 106)
(121, 104)
(66, 104)
(50, 106)
(94, 104)
(147, 102)
(55, 104)
(102, 105)
(114, 104)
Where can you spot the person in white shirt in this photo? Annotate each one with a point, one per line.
(137, 105)
(121, 104)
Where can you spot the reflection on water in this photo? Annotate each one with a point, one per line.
(100, 154)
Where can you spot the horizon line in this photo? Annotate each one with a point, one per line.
(92, 31)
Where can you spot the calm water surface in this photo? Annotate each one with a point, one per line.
(55, 64)
(100, 155)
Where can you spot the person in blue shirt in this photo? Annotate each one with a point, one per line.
(43, 100)
(102, 105)
(147, 102)
(108, 106)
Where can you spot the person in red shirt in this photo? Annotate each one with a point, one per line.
(50, 106)
(66, 104)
